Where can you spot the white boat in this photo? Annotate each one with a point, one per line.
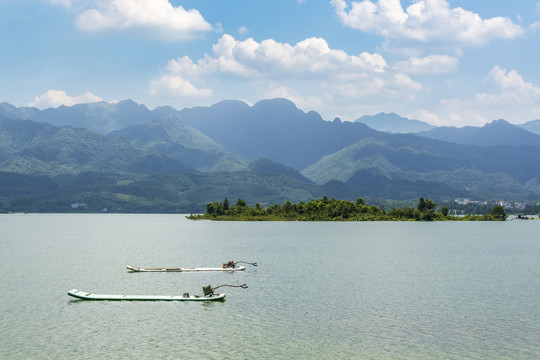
(184, 269)
(186, 297)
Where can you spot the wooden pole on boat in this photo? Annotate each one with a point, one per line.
(208, 289)
(245, 262)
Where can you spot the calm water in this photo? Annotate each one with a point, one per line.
(322, 290)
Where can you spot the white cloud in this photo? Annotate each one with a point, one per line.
(303, 102)
(66, 3)
(432, 64)
(510, 98)
(157, 18)
(243, 30)
(176, 86)
(309, 73)
(55, 98)
(424, 21)
(535, 26)
(270, 58)
(450, 119)
(499, 77)
(425, 116)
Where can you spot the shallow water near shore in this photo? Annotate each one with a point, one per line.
(363, 290)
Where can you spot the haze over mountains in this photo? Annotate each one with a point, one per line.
(498, 132)
(125, 157)
(393, 123)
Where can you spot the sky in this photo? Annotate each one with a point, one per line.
(446, 62)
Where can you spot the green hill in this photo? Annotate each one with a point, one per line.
(181, 193)
(406, 166)
(173, 138)
(28, 147)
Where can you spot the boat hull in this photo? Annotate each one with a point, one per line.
(90, 296)
(187, 269)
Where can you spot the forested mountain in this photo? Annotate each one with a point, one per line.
(265, 166)
(100, 117)
(274, 129)
(28, 147)
(394, 123)
(165, 160)
(180, 193)
(171, 137)
(498, 132)
(407, 164)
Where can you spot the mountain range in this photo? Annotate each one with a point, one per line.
(498, 132)
(393, 123)
(125, 157)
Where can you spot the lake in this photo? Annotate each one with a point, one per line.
(321, 290)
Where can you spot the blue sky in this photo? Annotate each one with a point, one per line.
(446, 62)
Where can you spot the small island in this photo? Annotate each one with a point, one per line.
(336, 210)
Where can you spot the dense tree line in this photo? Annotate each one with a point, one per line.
(337, 210)
(531, 209)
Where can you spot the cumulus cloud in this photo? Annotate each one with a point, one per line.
(157, 18)
(432, 64)
(424, 21)
(310, 67)
(250, 59)
(309, 73)
(281, 91)
(449, 119)
(176, 86)
(510, 98)
(55, 98)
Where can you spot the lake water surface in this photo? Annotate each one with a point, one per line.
(322, 290)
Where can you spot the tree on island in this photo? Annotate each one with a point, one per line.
(426, 208)
(445, 211)
(338, 210)
(426, 205)
(498, 213)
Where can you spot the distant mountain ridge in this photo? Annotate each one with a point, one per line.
(394, 123)
(498, 132)
(101, 117)
(274, 129)
(532, 126)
